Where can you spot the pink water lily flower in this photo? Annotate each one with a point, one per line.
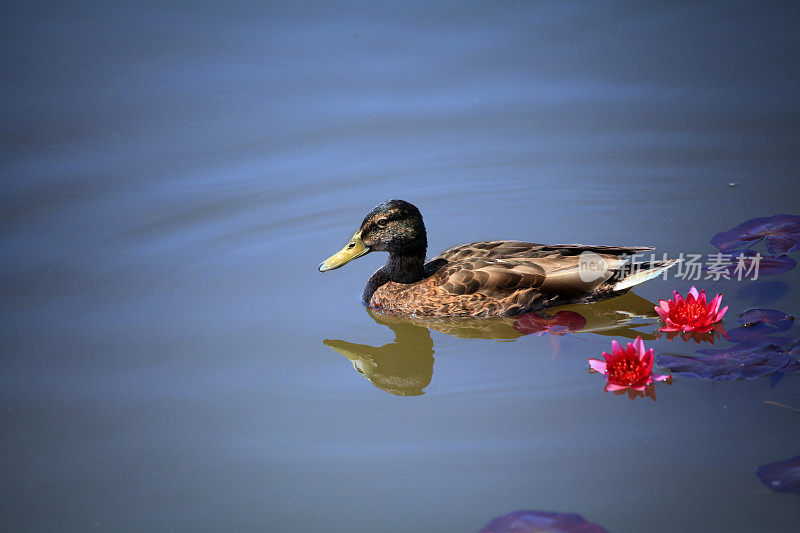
(627, 368)
(691, 314)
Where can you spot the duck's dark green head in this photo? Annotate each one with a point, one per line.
(395, 226)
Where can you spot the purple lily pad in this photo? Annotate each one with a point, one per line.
(792, 366)
(541, 521)
(794, 358)
(756, 335)
(768, 265)
(783, 476)
(782, 234)
(747, 338)
(794, 349)
(749, 363)
(767, 317)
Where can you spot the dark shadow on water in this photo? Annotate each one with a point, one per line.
(404, 367)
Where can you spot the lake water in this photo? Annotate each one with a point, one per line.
(172, 175)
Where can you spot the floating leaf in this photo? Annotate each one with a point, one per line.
(794, 358)
(767, 317)
(749, 337)
(768, 265)
(782, 234)
(561, 323)
(750, 363)
(541, 521)
(783, 476)
(794, 349)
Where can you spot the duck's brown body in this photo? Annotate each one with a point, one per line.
(494, 278)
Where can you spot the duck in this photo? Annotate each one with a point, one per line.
(483, 279)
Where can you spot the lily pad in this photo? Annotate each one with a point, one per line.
(783, 476)
(750, 363)
(767, 317)
(559, 324)
(794, 358)
(528, 521)
(794, 349)
(747, 338)
(768, 265)
(781, 234)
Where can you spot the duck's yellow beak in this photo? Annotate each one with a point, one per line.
(354, 249)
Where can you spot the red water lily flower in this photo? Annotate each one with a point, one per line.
(691, 314)
(627, 368)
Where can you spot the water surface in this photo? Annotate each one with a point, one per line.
(173, 175)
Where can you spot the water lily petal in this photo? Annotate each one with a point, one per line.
(615, 348)
(713, 305)
(638, 345)
(647, 360)
(693, 292)
(597, 365)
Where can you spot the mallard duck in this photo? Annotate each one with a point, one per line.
(494, 278)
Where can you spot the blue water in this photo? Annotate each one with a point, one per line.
(172, 175)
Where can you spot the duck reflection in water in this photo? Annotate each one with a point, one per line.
(404, 367)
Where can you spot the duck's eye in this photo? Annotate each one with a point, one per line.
(382, 223)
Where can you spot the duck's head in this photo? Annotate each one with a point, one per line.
(395, 226)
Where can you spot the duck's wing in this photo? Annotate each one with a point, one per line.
(519, 249)
(563, 269)
(512, 277)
